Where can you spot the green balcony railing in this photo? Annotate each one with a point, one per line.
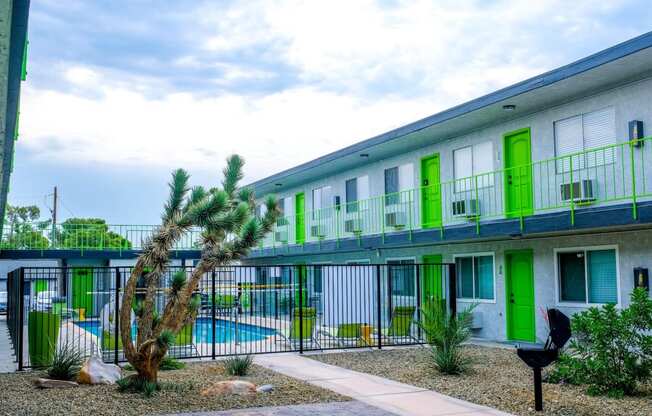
(599, 176)
(85, 237)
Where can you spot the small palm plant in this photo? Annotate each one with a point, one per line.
(66, 362)
(446, 333)
(238, 366)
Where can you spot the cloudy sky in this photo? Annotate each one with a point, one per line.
(120, 92)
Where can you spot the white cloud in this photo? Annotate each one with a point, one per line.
(363, 69)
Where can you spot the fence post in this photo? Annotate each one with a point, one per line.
(116, 318)
(452, 289)
(21, 317)
(633, 172)
(212, 313)
(298, 274)
(379, 308)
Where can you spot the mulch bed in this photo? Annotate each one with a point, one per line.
(180, 393)
(497, 379)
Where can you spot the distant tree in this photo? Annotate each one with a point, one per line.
(92, 233)
(24, 228)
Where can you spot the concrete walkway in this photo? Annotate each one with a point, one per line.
(388, 395)
(7, 358)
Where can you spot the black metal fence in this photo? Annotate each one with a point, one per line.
(243, 309)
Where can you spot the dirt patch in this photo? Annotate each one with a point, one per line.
(180, 393)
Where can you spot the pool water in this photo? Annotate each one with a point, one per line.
(225, 331)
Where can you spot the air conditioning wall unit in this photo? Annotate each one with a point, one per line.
(395, 219)
(353, 226)
(466, 208)
(578, 192)
(281, 236)
(317, 231)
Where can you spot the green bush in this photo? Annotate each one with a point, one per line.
(66, 363)
(169, 364)
(238, 366)
(446, 333)
(134, 384)
(611, 351)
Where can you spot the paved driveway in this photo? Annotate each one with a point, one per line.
(352, 408)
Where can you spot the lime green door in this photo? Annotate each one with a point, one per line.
(82, 289)
(432, 284)
(300, 218)
(518, 174)
(519, 283)
(430, 192)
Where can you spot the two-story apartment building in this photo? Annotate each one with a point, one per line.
(539, 193)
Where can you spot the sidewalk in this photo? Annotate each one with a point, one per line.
(7, 359)
(388, 395)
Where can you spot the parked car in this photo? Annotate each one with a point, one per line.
(3, 302)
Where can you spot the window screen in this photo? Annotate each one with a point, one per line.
(582, 133)
(401, 275)
(391, 186)
(352, 195)
(483, 162)
(602, 276)
(463, 168)
(588, 276)
(475, 277)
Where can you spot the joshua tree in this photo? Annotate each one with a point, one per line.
(230, 230)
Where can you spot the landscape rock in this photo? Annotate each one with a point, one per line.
(224, 388)
(265, 388)
(94, 371)
(46, 383)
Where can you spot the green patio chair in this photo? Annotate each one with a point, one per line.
(346, 335)
(400, 325)
(292, 335)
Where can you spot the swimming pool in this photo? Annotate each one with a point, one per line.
(225, 331)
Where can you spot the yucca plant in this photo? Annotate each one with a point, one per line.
(238, 365)
(445, 333)
(66, 362)
(230, 230)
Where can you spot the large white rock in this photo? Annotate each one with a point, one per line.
(94, 371)
(223, 388)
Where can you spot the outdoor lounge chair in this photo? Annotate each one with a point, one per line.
(346, 335)
(400, 325)
(292, 335)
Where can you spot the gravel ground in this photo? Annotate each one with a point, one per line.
(180, 394)
(498, 379)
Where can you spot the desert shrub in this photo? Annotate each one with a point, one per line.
(135, 384)
(567, 370)
(169, 364)
(66, 362)
(238, 365)
(611, 351)
(446, 333)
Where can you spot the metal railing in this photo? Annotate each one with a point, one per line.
(86, 237)
(243, 309)
(600, 176)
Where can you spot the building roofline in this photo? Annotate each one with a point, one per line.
(593, 61)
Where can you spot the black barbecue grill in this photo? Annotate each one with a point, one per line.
(540, 357)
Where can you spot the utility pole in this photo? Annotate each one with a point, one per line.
(55, 198)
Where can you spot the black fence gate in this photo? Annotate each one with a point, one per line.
(243, 309)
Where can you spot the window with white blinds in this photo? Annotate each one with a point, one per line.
(582, 133)
(473, 160)
(321, 198)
